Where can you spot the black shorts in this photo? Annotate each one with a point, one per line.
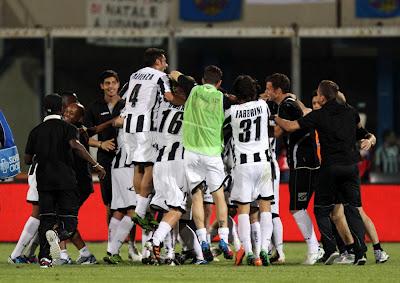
(339, 184)
(302, 183)
(60, 202)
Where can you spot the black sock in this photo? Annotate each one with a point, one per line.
(377, 247)
(350, 248)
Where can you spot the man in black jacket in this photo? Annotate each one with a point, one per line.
(339, 128)
(52, 143)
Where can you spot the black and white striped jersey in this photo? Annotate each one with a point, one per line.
(249, 122)
(169, 132)
(121, 156)
(143, 97)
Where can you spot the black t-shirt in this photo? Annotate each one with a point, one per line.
(98, 113)
(301, 145)
(49, 141)
(336, 125)
(81, 166)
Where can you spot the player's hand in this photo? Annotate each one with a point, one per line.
(366, 144)
(174, 75)
(100, 171)
(108, 145)
(118, 122)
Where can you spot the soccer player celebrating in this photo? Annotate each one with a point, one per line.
(147, 87)
(252, 172)
(203, 141)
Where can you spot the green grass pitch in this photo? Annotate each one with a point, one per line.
(222, 271)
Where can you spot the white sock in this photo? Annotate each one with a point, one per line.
(266, 229)
(29, 231)
(306, 227)
(190, 241)
(145, 238)
(277, 234)
(256, 237)
(142, 205)
(202, 235)
(33, 244)
(112, 229)
(244, 232)
(209, 238)
(124, 227)
(169, 245)
(161, 233)
(235, 236)
(64, 254)
(84, 252)
(223, 233)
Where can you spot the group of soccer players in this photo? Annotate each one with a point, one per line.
(180, 145)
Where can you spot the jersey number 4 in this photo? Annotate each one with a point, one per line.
(134, 94)
(246, 125)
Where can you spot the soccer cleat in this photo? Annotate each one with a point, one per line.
(200, 262)
(113, 259)
(277, 258)
(62, 261)
(239, 256)
(250, 259)
(224, 247)
(53, 240)
(17, 260)
(345, 258)
(360, 259)
(85, 260)
(45, 263)
(133, 254)
(381, 256)
(171, 262)
(142, 222)
(186, 255)
(313, 258)
(264, 258)
(258, 262)
(329, 259)
(153, 223)
(207, 254)
(32, 259)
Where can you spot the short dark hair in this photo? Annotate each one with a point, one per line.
(108, 74)
(52, 104)
(151, 55)
(279, 80)
(314, 93)
(245, 88)
(212, 74)
(328, 89)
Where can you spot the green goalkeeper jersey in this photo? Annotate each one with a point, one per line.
(203, 121)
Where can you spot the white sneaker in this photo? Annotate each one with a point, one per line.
(53, 240)
(344, 258)
(133, 254)
(381, 256)
(312, 258)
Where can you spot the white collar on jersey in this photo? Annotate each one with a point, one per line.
(48, 117)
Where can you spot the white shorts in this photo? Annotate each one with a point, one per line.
(252, 181)
(276, 182)
(32, 195)
(141, 147)
(170, 185)
(123, 193)
(202, 168)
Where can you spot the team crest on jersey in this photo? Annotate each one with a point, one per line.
(211, 7)
(302, 196)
